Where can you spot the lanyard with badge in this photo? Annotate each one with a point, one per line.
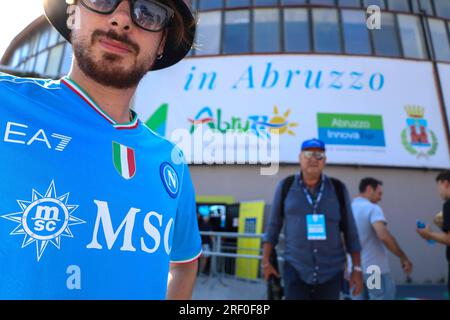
(315, 222)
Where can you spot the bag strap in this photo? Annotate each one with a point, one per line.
(339, 188)
(287, 183)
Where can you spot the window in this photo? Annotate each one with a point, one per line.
(236, 32)
(379, 3)
(439, 39)
(210, 4)
(356, 35)
(30, 64)
(323, 2)
(238, 3)
(398, 5)
(419, 5)
(296, 30)
(411, 35)
(43, 41)
(265, 2)
(385, 39)
(208, 33)
(350, 3)
(41, 62)
(15, 59)
(67, 59)
(53, 38)
(24, 52)
(326, 31)
(266, 36)
(293, 1)
(442, 8)
(34, 44)
(54, 60)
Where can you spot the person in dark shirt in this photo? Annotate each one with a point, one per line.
(443, 182)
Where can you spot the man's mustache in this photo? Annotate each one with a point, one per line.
(113, 35)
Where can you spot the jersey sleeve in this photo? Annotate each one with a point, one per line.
(186, 245)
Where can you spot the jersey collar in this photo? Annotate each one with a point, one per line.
(86, 98)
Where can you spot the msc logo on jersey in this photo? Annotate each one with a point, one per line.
(44, 219)
(170, 180)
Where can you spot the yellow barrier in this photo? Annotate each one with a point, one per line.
(251, 215)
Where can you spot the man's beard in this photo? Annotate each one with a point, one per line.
(107, 70)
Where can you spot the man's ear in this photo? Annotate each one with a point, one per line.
(446, 184)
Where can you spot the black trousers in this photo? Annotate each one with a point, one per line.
(296, 289)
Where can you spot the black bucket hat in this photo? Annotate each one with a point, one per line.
(56, 13)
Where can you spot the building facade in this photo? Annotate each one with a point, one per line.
(266, 74)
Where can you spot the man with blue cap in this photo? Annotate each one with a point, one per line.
(315, 211)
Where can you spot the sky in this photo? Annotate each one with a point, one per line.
(14, 17)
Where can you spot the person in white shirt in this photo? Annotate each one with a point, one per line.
(375, 239)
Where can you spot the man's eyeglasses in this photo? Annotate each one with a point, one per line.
(149, 15)
(318, 155)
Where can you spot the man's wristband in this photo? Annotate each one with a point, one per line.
(357, 268)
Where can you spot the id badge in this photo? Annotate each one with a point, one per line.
(315, 225)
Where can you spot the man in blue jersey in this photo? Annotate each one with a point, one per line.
(93, 204)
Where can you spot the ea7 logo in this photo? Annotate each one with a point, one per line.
(21, 134)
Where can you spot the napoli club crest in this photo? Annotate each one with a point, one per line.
(170, 179)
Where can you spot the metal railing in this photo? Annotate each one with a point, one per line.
(224, 254)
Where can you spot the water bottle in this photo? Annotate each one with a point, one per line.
(421, 225)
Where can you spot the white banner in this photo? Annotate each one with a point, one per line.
(444, 73)
(369, 111)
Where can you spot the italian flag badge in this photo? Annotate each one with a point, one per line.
(124, 160)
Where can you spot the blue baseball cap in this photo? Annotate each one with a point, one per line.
(313, 144)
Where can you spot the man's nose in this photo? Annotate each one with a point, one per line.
(120, 19)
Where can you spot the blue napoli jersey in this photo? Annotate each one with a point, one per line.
(89, 208)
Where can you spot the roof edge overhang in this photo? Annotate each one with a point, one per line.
(23, 35)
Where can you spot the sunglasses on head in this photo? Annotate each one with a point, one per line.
(318, 155)
(149, 15)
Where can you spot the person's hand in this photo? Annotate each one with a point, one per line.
(406, 265)
(356, 282)
(425, 232)
(269, 270)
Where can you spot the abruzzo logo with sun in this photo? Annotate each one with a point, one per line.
(44, 219)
